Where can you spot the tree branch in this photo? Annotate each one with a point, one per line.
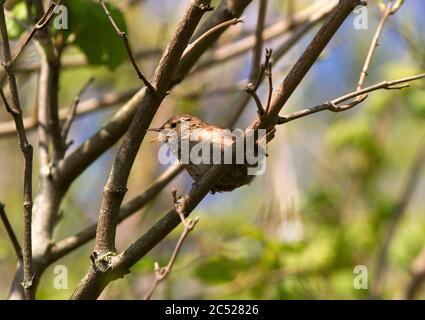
(16, 112)
(257, 51)
(257, 70)
(374, 44)
(334, 106)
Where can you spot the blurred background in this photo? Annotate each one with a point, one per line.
(341, 189)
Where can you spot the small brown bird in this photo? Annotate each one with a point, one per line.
(199, 146)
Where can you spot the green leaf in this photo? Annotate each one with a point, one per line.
(94, 34)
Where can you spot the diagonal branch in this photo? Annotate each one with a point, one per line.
(211, 32)
(374, 44)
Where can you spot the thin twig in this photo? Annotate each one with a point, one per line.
(374, 44)
(124, 38)
(10, 232)
(257, 51)
(188, 224)
(73, 111)
(14, 108)
(333, 105)
(372, 49)
(210, 32)
(251, 90)
(257, 70)
(268, 72)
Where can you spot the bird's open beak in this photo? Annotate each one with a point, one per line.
(155, 130)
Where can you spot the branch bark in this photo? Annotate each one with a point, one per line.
(334, 106)
(16, 112)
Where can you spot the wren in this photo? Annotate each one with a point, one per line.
(198, 146)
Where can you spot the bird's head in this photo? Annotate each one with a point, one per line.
(175, 124)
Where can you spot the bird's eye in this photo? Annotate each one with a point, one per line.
(173, 125)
